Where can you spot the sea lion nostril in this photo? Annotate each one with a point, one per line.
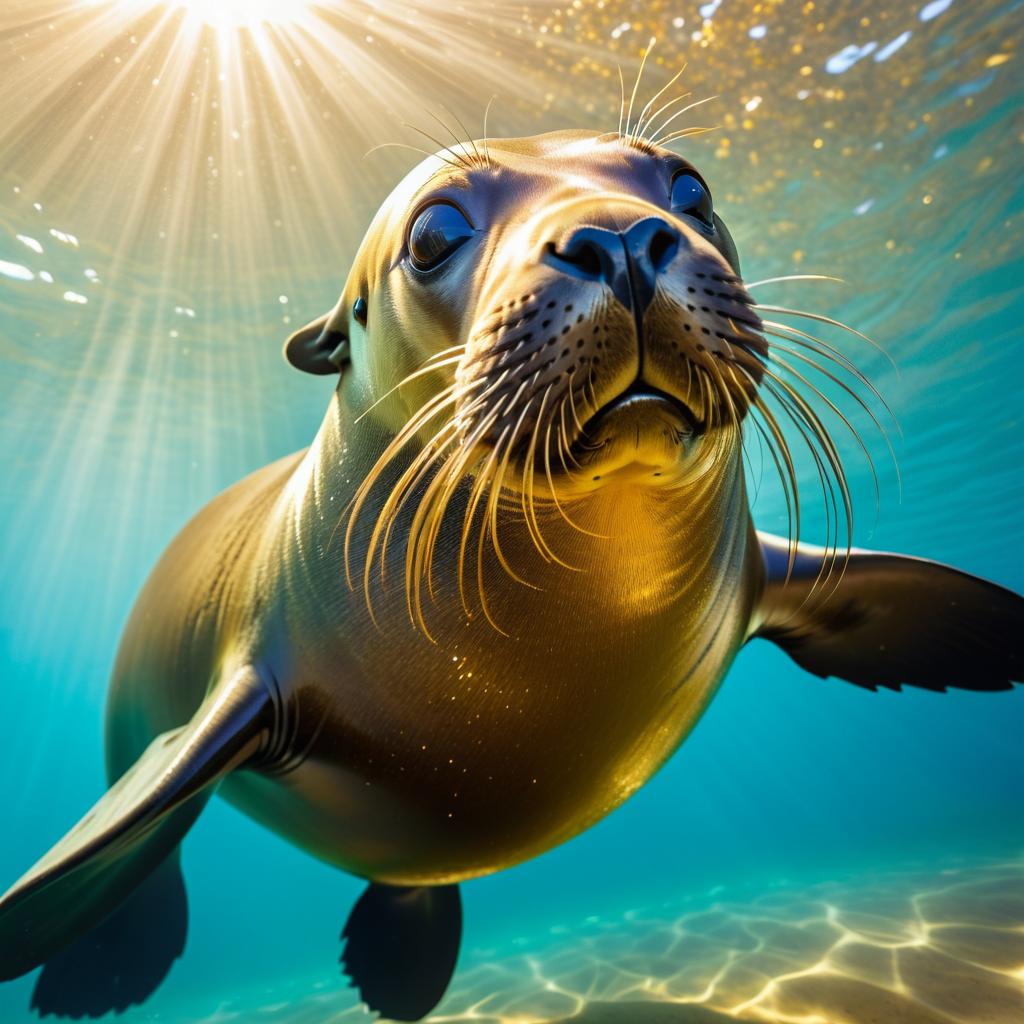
(589, 252)
(651, 243)
(593, 254)
(663, 247)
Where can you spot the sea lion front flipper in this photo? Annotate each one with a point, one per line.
(123, 960)
(133, 828)
(401, 944)
(891, 620)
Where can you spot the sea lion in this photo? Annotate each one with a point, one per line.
(495, 593)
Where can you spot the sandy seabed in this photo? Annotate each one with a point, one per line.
(900, 948)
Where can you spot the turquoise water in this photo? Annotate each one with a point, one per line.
(123, 414)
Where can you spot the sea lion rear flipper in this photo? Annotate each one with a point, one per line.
(891, 620)
(401, 945)
(132, 829)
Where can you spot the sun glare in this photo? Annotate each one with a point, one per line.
(229, 14)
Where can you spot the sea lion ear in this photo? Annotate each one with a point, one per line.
(318, 347)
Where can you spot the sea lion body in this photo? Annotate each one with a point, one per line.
(499, 588)
(414, 762)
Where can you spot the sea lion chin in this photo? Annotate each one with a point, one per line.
(642, 437)
(497, 591)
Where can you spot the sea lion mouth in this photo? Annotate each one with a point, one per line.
(643, 401)
(641, 426)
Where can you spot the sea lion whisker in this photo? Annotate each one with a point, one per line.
(830, 505)
(412, 476)
(705, 402)
(477, 491)
(831, 453)
(841, 416)
(494, 496)
(853, 394)
(734, 416)
(767, 442)
(449, 395)
(795, 353)
(469, 140)
(528, 484)
(551, 483)
(455, 425)
(461, 154)
(792, 277)
(406, 145)
(525, 490)
(829, 351)
(884, 433)
(429, 367)
(791, 486)
(819, 431)
(794, 336)
(622, 101)
(418, 553)
(790, 494)
(572, 407)
(451, 476)
(741, 354)
(482, 535)
(382, 525)
(658, 134)
(636, 84)
(434, 449)
(826, 457)
(821, 318)
(486, 137)
(460, 161)
(838, 359)
(729, 367)
(779, 447)
(564, 445)
(404, 489)
(654, 99)
(661, 110)
(589, 383)
(686, 133)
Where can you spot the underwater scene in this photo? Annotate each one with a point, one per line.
(185, 183)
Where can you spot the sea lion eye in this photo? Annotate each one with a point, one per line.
(691, 197)
(435, 234)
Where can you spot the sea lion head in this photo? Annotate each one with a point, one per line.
(556, 319)
(571, 296)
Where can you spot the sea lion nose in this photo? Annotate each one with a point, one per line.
(628, 262)
(651, 244)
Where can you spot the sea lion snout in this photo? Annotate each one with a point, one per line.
(592, 295)
(628, 262)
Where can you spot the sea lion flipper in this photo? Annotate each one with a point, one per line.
(123, 960)
(132, 829)
(401, 945)
(891, 620)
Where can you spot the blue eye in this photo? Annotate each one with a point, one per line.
(690, 197)
(435, 234)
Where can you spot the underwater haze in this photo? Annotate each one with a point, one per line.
(182, 188)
